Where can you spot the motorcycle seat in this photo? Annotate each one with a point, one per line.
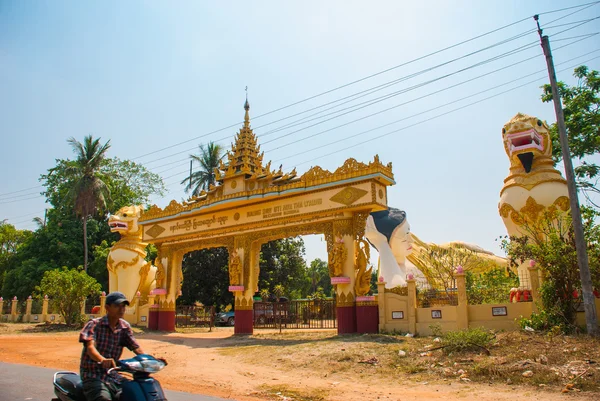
(72, 384)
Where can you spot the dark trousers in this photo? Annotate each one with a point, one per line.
(97, 390)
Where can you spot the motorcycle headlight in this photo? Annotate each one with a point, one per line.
(152, 365)
(147, 365)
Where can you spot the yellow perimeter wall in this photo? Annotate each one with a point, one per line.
(414, 320)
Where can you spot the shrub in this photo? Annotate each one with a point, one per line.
(474, 339)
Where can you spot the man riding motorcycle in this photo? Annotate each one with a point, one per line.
(103, 341)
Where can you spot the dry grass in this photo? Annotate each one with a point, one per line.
(285, 393)
(554, 361)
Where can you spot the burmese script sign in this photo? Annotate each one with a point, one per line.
(338, 198)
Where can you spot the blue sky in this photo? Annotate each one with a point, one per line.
(150, 75)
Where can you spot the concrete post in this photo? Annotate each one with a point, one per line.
(535, 283)
(138, 297)
(381, 304)
(13, 310)
(462, 311)
(27, 317)
(1, 307)
(102, 303)
(45, 308)
(412, 304)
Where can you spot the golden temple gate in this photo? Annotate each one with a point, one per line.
(253, 204)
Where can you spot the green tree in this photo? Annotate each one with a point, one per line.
(282, 262)
(318, 274)
(67, 290)
(439, 264)
(11, 240)
(89, 191)
(492, 286)
(551, 244)
(129, 184)
(581, 106)
(206, 278)
(208, 159)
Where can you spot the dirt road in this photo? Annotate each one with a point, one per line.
(201, 363)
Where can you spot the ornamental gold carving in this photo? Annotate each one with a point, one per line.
(112, 267)
(348, 196)
(402, 291)
(345, 299)
(174, 207)
(359, 221)
(242, 303)
(533, 211)
(337, 258)
(160, 273)
(315, 173)
(362, 285)
(234, 269)
(350, 166)
(342, 227)
(155, 231)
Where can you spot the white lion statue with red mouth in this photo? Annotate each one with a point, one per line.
(128, 270)
(533, 186)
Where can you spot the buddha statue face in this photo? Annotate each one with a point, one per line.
(401, 242)
(394, 225)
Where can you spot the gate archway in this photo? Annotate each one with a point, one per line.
(253, 204)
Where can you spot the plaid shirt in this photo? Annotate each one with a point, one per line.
(109, 344)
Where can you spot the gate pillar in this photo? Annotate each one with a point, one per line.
(169, 278)
(241, 283)
(341, 262)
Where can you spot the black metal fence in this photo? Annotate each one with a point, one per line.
(428, 296)
(6, 306)
(195, 316)
(296, 314)
(36, 306)
(90, 303)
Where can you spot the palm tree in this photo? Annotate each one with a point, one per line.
(88, 190)
(209, 158)
(41, 223)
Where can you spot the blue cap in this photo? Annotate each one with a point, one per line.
(116, 298)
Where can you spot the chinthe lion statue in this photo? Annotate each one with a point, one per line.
(533, 187)
(128, 270)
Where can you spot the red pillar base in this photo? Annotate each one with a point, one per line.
(153, 317)
(244, 322)
(367, 319)
(346, 319)
(166, 320)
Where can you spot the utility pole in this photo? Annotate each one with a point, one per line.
(591, 319)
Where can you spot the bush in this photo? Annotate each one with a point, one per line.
(490, 287)
(474, 339)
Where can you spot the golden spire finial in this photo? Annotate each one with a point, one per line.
(247, 108)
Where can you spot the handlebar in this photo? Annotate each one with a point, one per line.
(109, 371)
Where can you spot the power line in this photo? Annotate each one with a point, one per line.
(21, 190)
(24, 215)
(2, 198)
(522, 34)
(532, 44)
(430, 94)
(420, 113)
(434, 117)
(413, 100)
(580, 8)
(343, 86)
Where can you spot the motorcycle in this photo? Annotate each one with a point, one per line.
(69, 387)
